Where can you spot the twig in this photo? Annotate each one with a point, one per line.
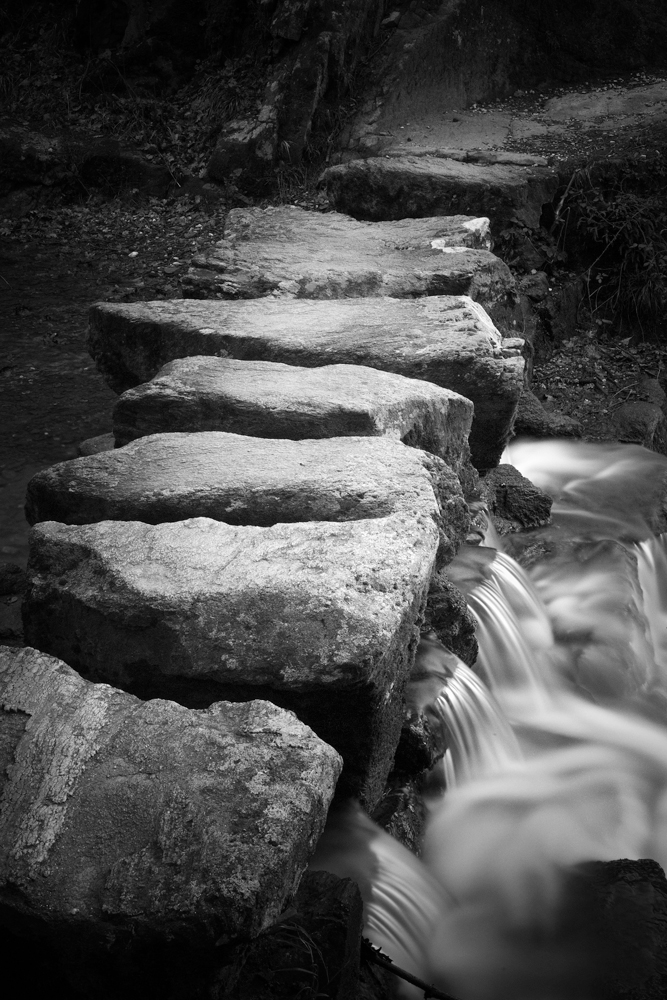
(559, 207)
(372, 954)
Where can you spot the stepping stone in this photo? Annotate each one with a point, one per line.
(319, 617)
(109, 836)
(290, 252)
(401, 186)
(447, 340)
(248, 480)
(270, 400)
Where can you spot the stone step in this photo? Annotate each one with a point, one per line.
(290, 252)
(400, 186)
(252, 481)
(110, 838)
(320, 617)
(270, 400)
(447, 340)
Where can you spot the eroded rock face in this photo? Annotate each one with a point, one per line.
(291, 252)
(320, 617)
(252, 481)
(401, 187)
(109, 836)
(447, 340)
(271, 400)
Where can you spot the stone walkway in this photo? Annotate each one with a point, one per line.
(295, 448)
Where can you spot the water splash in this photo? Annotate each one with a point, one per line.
(560, 759)
(462, 710)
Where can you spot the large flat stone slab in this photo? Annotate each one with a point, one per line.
(247, 480)
(319, 617)
(271, 400)
(401, 186)
(107, 835)
(447, 340)
(290, 252)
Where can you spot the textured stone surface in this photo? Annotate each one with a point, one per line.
(271, 400)
(514, 502)
(92, 446)
(534, 421)
(252, 481)
(400, 187)
(108, 835)
(320, 617)
(288, 251)
(447, 340)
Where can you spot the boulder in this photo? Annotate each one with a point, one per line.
(447, 340)
(448, 617)
(514, 502)
(641, 422)
(113, 844)
(399, 187)
(532, 420)
(320, 617)
(289, 251)
(252, 481)
(270, 400)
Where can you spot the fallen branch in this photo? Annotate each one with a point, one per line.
(373, 954)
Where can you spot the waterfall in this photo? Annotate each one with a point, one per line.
(557, 741)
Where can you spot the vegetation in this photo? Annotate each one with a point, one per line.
(612, 221)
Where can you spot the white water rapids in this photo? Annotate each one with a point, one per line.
(557, 741)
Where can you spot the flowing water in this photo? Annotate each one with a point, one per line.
(557, 740)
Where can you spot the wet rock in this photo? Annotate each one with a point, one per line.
(616, 911)
(534, 421)
(448, 617)
(641, 422)
(449, 341)
(94, 445)
(644, 421)
(129, 858)
(291, 252)
(514, 502)
(402, 812)
(381, 188)
(252, 481)
(320, 617)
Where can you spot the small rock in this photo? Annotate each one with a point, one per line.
(96, 445)
(533, 420)
(515, 503)
(535, 286)
(642, 422)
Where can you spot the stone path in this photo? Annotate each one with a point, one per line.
(502, 156)
(294, 449)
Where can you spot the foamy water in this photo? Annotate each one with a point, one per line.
(557, 741)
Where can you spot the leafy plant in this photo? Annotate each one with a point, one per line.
(612, 219)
